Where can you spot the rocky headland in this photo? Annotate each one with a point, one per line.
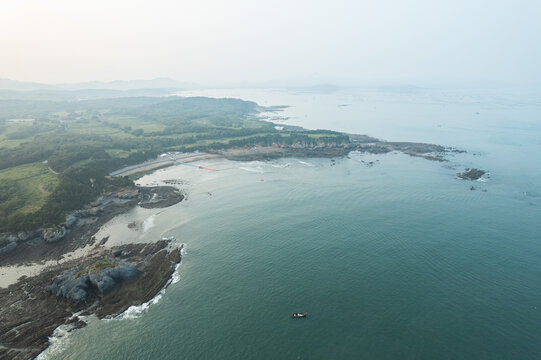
(360, 143)
(105, 282)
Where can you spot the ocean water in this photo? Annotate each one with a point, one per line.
(398, 260)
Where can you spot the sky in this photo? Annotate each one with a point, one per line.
(253, 41)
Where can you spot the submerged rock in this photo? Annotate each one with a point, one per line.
(471, 174)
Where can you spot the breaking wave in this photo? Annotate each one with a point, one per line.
(305, 163)
(59, 340)
(281, 166)
(257, 169)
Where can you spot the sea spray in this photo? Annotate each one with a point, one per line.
(135, 311)
(60, 339)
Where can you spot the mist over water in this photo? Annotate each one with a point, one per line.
(395, 260)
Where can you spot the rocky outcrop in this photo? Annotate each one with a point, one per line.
(471, 174)
(54, 234)
(365, 144)
(159, 197)
(71, 220)
(106, 282)
(8, 242)
(80, 226)
(85, 285)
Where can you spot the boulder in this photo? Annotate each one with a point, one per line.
(71, 287)
(103, 282)
(8, 242)
(71, 220)
(54, 234)
(8, 237)
(83, 285)
(27, 235)
(7, 246)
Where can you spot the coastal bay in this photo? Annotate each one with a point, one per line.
(255, 184)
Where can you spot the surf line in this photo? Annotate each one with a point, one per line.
(197, 166)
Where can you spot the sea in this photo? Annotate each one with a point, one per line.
(391, 256)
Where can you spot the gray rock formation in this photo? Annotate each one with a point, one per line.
(80, 285)
(71, 287)
(54, 234)
(8, 242)
(71, 220)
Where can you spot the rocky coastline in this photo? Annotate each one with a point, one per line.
(77, 231)
(34, 307)
(107, 281)
(103, 281)
(360, 143)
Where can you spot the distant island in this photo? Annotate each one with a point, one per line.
(59, 183)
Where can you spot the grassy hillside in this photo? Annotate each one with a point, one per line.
(55, 155)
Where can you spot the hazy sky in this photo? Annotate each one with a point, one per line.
(211, 41)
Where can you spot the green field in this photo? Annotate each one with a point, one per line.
(27, 186)
(56, 154)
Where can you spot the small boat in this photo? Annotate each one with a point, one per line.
(298, 315)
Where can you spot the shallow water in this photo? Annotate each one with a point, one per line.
(396, 260)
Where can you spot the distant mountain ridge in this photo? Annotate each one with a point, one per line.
(123, 85)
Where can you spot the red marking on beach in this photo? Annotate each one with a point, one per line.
(206, 168)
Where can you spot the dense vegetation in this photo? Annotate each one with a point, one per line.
(55, 155)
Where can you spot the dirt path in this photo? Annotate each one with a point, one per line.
(42, 190)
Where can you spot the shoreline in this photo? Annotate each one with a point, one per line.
(30, 311)
(35, 254)
(42, 323)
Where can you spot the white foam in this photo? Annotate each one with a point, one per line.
(257, 169)
(60, 339)
(176, 275)
(59, 342)
(281, 166)
(135, 311)
(305, 163)
(148, 223)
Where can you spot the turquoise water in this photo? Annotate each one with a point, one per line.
(395, 261)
